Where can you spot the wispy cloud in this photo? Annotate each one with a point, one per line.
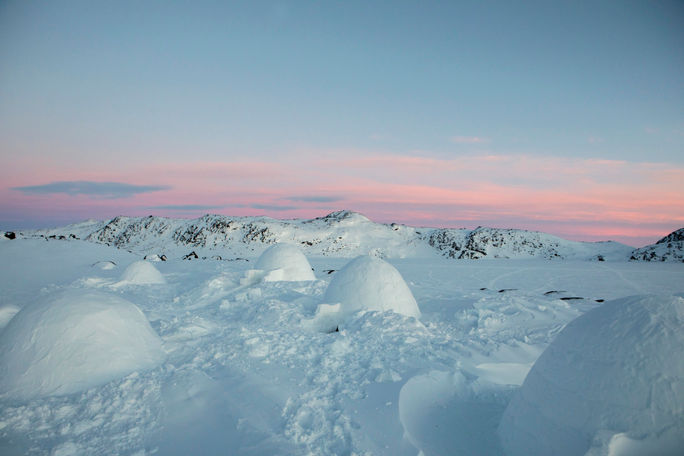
(315, 199)
(573, 196)
(186, 207)
(468, 140)
(98, 189)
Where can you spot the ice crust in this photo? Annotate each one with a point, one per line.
(72, 342)
(370, 283)
(615, 370)
(284, 263)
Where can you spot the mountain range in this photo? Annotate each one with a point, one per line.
(342, 234)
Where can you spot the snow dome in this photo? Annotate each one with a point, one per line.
(369, 283)
(105, 265)
(611, 382)
(285, 262)
(142, 273)
(73, 342)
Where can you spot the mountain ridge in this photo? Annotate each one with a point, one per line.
(341, 233)
(669, 248)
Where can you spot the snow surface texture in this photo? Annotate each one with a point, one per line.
(613, 379)
(445, 413)
(141, 273)
(284, 262)
(73, 342)
(367, 283)
(246, 373)
(7, 312)
(339, 234)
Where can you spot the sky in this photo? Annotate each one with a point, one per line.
(565, 117)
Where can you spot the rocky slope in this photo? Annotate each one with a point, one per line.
(669, 248)
(341, 234)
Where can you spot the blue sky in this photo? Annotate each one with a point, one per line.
(97, 91)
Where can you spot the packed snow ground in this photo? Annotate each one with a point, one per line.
(248, 370)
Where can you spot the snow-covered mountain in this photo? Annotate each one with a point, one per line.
(669, 248)
(507, 243)
(339, 234)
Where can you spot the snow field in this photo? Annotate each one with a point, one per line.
(247, 373)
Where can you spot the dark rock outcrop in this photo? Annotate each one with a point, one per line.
(669, 248)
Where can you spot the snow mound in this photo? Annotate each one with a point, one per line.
(105, 265)
(73, 342)
(470, 407)
(141, 273)
(370, 283)
(615, 371)
(284, 263)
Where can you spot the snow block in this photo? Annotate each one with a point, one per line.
(73, 342)
(369, 283)
(284, 263)
(617, 370)
(141, 273)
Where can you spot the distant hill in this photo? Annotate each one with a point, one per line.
(669, 248)
(340, 234)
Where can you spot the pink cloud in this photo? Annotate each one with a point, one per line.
(575, 197)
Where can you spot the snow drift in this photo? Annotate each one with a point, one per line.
(141, 273)
(612, 382)
(286, 263)
(73, 342)
(369, 283)
(7, 312)
(447, 413)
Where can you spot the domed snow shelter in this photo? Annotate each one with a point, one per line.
(369, 283)
(284, 263)
(142, 273)
(73, 342)
(611, 382)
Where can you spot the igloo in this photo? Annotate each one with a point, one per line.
(141, 273)
(612, 382)
(284, 262)
(369, 283)
(73, 342)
